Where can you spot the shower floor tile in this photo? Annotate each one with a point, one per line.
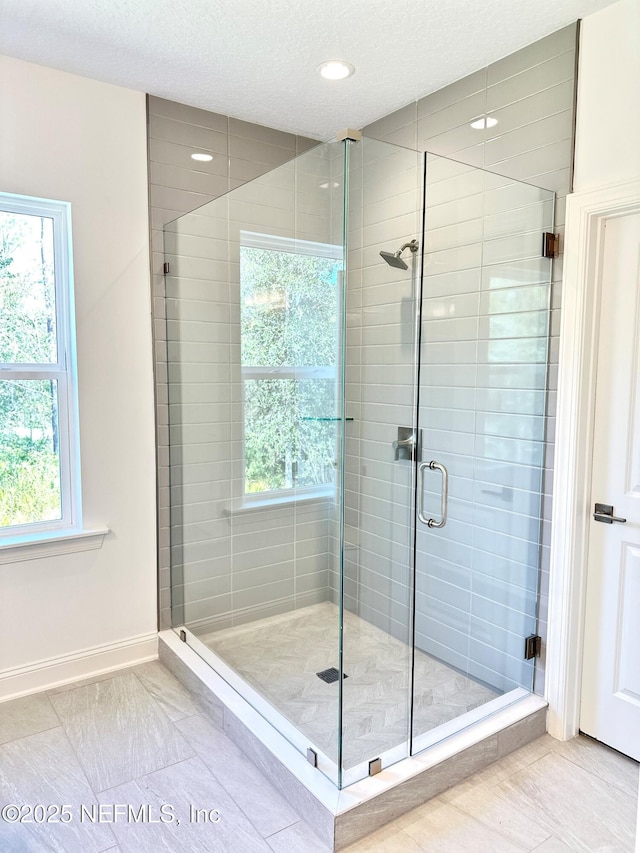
(280, 657)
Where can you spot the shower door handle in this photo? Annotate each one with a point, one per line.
(433, 466)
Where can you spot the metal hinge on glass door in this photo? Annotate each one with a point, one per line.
(550, 245)
(532, 646)
(165, 268)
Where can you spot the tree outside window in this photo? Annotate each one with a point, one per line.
(35, 464)
(289, 334)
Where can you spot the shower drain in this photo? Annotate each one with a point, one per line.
(330, 675)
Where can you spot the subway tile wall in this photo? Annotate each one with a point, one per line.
(482, 395)
(384, 211)
(241, 151)
(484, 351)
(531, 97)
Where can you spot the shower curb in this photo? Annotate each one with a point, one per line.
(340, 818)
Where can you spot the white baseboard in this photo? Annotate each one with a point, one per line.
(53, 672)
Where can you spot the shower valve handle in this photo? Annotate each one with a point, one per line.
(433, 466)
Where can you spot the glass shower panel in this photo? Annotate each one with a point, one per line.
(301, 423)
(484, 343)
(384, 203)
(253, 328)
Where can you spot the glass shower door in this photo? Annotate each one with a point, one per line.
(483, 370)
(384, 213)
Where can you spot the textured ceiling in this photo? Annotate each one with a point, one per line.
(257, 59)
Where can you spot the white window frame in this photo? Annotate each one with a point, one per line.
(63, 372)
(291, 245)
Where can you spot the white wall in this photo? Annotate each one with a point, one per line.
(70, 138)
(608, 118)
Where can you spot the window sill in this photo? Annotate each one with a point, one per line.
(52, 543)
(274, 502)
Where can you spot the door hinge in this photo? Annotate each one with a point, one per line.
(550, 245)
(165, 268)
(183, 635)
(532, 646)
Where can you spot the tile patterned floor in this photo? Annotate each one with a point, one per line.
(280, 656)
(137, 737)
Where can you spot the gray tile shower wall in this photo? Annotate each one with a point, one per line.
(239, 560)
(484, 324)
(384, 199)
(485, 315)
(241, 151)
(528, 101)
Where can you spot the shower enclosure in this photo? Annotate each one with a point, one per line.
(357, 365)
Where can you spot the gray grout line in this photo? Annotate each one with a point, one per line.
(144, 775)
(33, 734)
(57, 716)
(81, 766)
(125, 671)
(220, 780)
(288, 826)
(76, 685)
(496, 828)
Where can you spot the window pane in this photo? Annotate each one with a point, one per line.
(317, 431)
(29, 452)
(27, 290)
(289, 308)
(289, 319)
(290, 433)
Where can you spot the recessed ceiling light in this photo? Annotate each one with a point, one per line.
(336, 69)
(202, 158)
(482, 123)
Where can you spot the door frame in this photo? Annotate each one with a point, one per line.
(571, 514)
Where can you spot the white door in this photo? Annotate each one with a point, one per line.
(610, 709)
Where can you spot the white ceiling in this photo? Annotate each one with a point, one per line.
(257, 59)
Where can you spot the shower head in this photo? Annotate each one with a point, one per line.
(394, 259)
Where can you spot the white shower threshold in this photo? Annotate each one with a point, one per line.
(341, 817)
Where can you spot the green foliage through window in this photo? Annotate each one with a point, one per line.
(29, 441)
(289, 326)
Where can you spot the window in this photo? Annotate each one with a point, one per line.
(289, 344)
(38, 448)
